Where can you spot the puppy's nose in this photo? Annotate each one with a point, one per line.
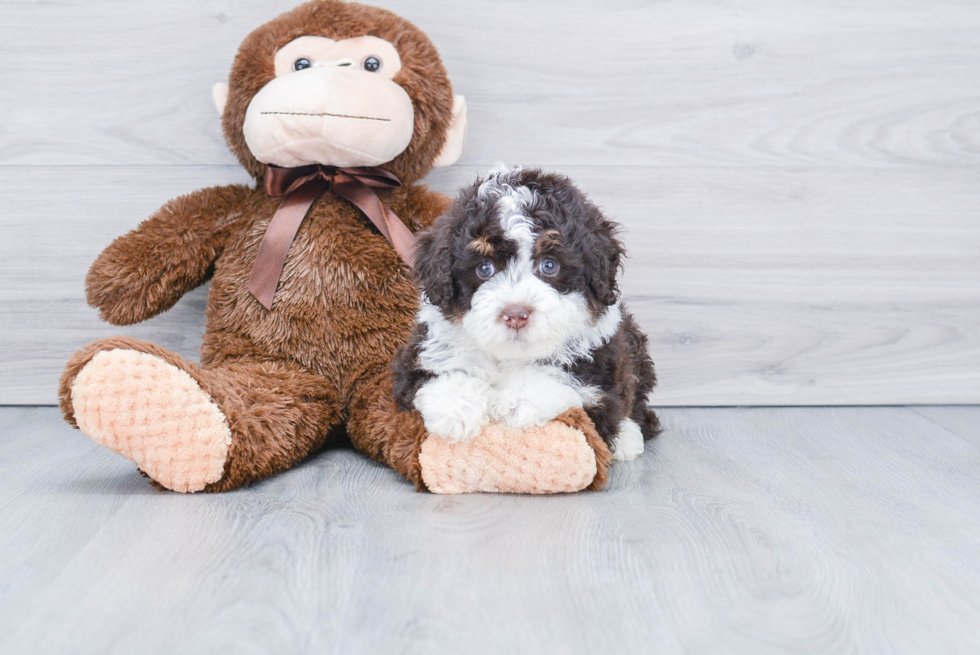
(516, 316)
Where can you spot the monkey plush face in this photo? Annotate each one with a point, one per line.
(341, 84)
(333, 103)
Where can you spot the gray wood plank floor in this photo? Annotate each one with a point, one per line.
(804, 530)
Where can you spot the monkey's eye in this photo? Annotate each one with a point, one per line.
(301, 64)
(371, 64)
(485, 270)
(548, 267)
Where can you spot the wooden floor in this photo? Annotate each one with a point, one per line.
(804, 530)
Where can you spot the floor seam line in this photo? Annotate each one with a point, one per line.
(942, 427)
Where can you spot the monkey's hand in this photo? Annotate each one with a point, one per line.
(148, 270)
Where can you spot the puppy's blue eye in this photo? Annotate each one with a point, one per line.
(485, 270)
(548, 267)
(301, 64)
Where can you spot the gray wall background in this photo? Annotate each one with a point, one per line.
(800, 181)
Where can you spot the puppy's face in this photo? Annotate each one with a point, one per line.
(523, 262)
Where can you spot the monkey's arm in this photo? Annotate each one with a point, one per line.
(146, 271)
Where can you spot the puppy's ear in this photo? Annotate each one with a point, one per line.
(604, 257)
(434, 262)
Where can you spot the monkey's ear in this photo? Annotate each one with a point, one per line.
(219, 93)
(455, 136)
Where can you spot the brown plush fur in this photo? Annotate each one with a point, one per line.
(379, 430)
(289, 378)
(578, 419)
(277, 411)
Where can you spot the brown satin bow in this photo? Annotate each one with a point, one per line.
(302, 186)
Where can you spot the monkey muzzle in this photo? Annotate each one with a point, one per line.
(329, 115)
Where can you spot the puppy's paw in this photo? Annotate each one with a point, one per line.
(629, 442)
(532, 399)
(454, 407)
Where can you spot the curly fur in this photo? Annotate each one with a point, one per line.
(514, 219)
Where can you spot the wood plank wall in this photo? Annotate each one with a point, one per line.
(800, 181)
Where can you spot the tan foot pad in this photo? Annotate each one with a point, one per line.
(153, 414)
(539, 460)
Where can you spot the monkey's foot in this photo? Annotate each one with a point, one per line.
(566, 455)
(154, 414)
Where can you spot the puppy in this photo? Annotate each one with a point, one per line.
(520, 317)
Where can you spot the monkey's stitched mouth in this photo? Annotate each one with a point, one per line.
(298, 113)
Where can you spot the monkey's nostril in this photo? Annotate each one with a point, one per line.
(516, 317)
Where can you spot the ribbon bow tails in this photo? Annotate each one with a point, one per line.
(301, 187)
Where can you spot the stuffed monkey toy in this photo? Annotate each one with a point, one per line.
(337, 110)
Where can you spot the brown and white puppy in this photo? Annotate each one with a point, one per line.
(520, 317)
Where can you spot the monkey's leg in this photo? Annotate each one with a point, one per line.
(563, 456)
(191, 428)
